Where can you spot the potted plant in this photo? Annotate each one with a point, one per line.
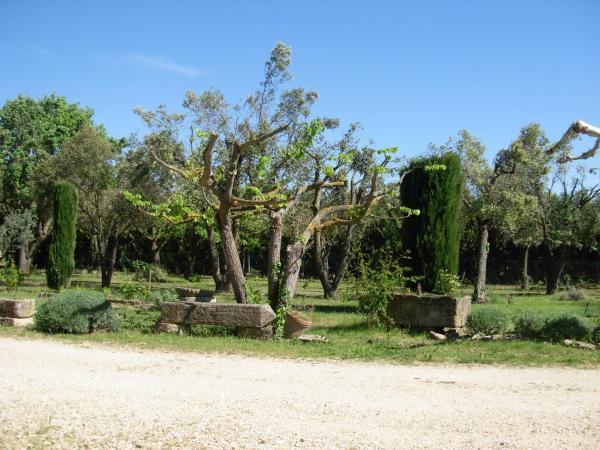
(297, 319)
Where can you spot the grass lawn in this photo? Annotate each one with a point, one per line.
(349, 336)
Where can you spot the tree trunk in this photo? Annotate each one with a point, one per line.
(554, 269)
(525, 271)
(479, 296)
(322, 265)
(155, 248)
(108, 259)
(274, 253)
(93, 263)
(248, 264)
(24, 259)
(295, 252)
(343, 263)
(330, 282)
(219, 278)
(27, 251)
(232, 257)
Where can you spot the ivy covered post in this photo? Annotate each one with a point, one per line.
(433, 236)
(61, 256)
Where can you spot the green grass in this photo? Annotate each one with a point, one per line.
(349, 336)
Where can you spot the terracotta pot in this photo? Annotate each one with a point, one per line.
(294, 326)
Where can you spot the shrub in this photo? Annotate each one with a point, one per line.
(529, 324)
(447, 283)
(574, 294)
(61, 255)
(141, 270)
(565, 326)
(487, 320)
(373, 290)
(595, 335)
(10, 276)
(132, 290)
(139, 319)
(162, 296)
(76, 312)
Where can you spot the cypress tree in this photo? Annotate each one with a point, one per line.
(61, 257)
(433, 237)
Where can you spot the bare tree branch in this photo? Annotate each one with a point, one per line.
(578, 127)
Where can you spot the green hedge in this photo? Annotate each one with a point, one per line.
(566, 326)
(529, 324)
(554, 327)
(76, 312)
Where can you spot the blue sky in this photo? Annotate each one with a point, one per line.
(410, 72)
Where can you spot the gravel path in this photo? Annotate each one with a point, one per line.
(56, 395)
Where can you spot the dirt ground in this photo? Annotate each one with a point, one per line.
(58, 395)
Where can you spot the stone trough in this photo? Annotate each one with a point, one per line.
(249, 320)
(17, 313)
(186, 294)
(429, 312)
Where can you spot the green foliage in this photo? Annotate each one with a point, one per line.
(281, 297)
(162, 296)
(447, 283)
(487, 320)
(141, 271)
(529, 324)
(130, 291)
(15, 231)
(31, 131)
(61, 256)
(279, 321)
(565, 326)
(76, 312)
(10, 276)
(433, 236)
(254, 296)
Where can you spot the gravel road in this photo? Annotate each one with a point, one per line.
(58, 395)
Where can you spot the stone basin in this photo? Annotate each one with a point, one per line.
(429, 311)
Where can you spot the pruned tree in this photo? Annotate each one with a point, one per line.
(229, 137)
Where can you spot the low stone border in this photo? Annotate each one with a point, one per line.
(15, 322)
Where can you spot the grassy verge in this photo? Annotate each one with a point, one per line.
(349, 337)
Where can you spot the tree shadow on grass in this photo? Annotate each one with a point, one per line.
(355, 326)
(335, 308)
(528, 294)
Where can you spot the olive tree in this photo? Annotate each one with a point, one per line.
(94, 164)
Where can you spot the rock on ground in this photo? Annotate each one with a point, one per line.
(57, 395)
